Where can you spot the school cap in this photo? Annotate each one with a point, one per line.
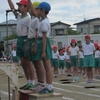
(73, 41)
(35, 4)
(96, 44)
(22, 2)
(54, 47)
(14, 47)
(87, 36)
(44, 5)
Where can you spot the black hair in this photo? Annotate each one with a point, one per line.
(46, 12)
(80, 46)
(72, 45)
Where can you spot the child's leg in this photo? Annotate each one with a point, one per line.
(39, 71)
(99, 71)
(31, 72)
(96, 71)
(47, 66)
(91, 74)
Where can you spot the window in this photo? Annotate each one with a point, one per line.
(59, 45)
(59, 31)
(82, 30)
(96, 27)
(79, 43)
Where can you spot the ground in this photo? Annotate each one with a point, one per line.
(70, 91)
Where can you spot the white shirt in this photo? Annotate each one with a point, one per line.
(74, 50)
(81, 54)
(97, 54)
(13, 53)
(22, 25)
(44, 27)
(33, 27)
(88, 49)
(67, 57)
(61, 57)
(55, 54)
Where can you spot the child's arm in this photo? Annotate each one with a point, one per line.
(33, 10)
(12, 7)
(44, 45)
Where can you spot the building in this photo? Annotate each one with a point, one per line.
(11, 28)
(88, 26)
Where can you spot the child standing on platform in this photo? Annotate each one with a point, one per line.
(88, 50)
(44, 51)
(97, 60)
(55, 54)
(23, 21)
(74, 57)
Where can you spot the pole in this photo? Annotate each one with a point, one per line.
(7, 52)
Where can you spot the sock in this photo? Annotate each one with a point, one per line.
(28, 81)
(32, 82)
(59, 71)
(42, 83)
(63, 71)
(49, 86)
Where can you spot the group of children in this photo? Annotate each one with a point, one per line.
(77, 59)
(33, 44)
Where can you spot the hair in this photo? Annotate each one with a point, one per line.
(72, 45)
(46, 12)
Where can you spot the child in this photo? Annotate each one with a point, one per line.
(81, 57)
(15, 57)
(23, 21)
(44, 51)
(55, 54)
(97, 60)
(74, 56)
(61, 62)
(32, 42)
(88, 62)
(68, 63)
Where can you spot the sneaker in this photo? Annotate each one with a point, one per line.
(46, 91)
(89, 82)
(37, 88)
(28, 87)
(74, 80)
(23, 86)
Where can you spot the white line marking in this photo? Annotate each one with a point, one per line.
(4, 93)
(67, 98)
(82, 93)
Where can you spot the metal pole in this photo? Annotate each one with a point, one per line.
(7, 52)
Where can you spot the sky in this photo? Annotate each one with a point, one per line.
(67, 11)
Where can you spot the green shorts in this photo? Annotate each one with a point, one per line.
(31, 41)
(21, 45)
(55, 63)
(61, 64)
(15, 59)
(68, 65)
(80, 63)
(88, 61)
(97, 63)
(74, 60)
(48, 50)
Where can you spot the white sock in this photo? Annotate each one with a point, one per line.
(59, 71)
(49, 86)
(32, 82)
(63, 71)
(28, 81)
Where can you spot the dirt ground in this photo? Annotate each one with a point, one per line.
(70, 91)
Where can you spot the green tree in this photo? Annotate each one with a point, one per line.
(72, 32)
(10, 37)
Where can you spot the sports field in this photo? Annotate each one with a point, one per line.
(70, 91)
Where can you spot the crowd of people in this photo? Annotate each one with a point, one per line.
(34, 49)
(81, 59)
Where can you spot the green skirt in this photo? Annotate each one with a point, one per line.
(48, 51)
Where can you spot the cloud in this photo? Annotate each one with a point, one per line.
(68, 11)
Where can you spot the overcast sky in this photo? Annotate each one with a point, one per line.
(67, 11)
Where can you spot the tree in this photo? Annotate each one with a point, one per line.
(72, 32)
(96, 32)
(10, 37)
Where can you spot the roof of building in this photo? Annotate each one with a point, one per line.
(10, 22)
(87, 21)
(59, 22)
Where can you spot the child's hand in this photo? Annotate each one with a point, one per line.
(44, 56)
(34, 50)
(27, 49)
